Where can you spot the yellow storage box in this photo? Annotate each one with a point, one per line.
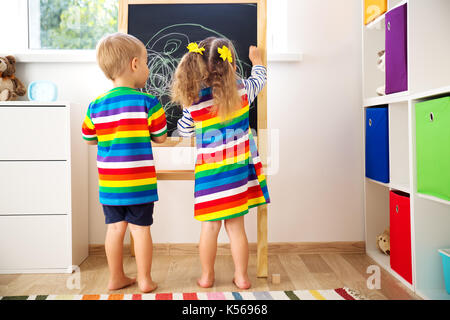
(373, 9)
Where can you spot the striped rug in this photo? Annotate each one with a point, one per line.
(335, 294)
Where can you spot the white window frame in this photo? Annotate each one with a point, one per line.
(18, 41)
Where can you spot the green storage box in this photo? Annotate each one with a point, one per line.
(433, 147)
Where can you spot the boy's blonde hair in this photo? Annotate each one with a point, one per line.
(115, 52)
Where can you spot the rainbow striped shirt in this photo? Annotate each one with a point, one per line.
(123, 120)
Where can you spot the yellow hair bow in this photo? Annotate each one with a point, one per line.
(193, 47)
(225, 54)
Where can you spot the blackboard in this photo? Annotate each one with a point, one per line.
(167, 29)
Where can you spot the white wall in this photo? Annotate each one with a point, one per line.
(16, 16)
(317, 195)
(318, 192)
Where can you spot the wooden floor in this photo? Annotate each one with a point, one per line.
(178, 273)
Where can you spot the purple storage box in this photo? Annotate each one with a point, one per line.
(396, 50)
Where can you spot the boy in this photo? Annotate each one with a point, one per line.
(122, 122)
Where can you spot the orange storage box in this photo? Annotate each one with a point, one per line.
(373, 9)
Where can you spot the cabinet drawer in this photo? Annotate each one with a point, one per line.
(34, 133)
(30, 242)
(34, 187)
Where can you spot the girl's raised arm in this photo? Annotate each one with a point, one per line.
(256, 82)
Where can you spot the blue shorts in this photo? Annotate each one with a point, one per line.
(141, 214)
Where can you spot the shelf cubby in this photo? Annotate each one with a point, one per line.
(399, 146)
(429, 28)
(377, 216)
(391, 5)
(374, 42)
(377, 220)
(431, 233)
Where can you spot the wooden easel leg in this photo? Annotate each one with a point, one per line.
(261, 253)
(132, 245)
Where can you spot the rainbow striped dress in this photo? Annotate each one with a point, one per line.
(123, 121)
(229, 178)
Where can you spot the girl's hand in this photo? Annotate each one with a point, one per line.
(255, 56)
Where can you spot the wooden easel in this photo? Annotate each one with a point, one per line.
(262, 259)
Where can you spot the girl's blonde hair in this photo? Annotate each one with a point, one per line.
(222, 78)
(190, 75)
(211, 70)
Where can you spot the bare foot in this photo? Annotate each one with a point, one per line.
(206, 281)
(116, 284)
(242, 282)
(147, 285)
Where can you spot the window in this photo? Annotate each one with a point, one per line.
(70, 24)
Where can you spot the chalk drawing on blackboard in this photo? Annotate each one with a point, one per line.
(165, 50)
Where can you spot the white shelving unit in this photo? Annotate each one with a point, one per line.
(428, 78)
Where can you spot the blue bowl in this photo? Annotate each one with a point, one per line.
(45, 91)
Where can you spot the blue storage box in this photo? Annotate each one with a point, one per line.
(445, 254)
(377, 143)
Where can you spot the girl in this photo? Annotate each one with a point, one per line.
(228, 172)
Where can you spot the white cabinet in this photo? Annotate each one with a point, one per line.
(43, 188)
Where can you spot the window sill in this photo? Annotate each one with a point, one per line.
(67, 56)
(54, 56)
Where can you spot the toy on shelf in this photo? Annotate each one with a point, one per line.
(384, 242)
(381, 91)
(10, 86)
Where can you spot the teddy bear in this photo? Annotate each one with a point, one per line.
(384, 242)
(10, 86)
